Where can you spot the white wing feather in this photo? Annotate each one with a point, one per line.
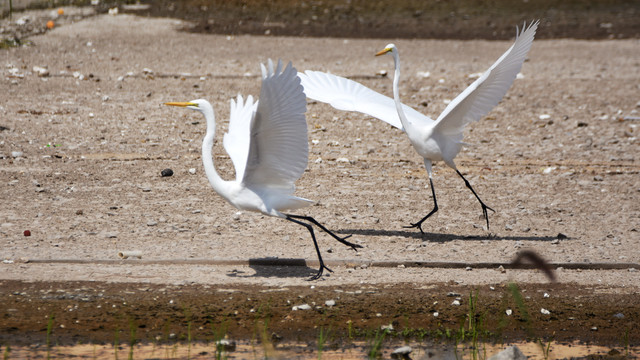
(236, 141)
(348, 95)
(278, 150)
(485, 93)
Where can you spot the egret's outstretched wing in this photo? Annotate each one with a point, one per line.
(236, 141)
(485, 93)
(348, 95)
(279, 150)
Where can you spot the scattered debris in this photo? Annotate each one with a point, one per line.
(545, 311)
(510, 353)
(402, 352)
(301, 307)
(130, 254)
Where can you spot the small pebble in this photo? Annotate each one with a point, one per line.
(226, 345)
(166, 172)
(301, 307)
(192, 171)
(545, 311)
(401, 352)
(41, 71)
(330, 303)
(509, 312)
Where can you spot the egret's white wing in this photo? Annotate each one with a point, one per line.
(485, 93)
(236, 141)
(348, 95)
(279, 150)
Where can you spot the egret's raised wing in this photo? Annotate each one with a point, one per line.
(279, 150)
(485, 93)
(348, 95)
(236, 141)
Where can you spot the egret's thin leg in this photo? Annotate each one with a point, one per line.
(313, 221)
(315, 243)
(484, 207)
(435, 208)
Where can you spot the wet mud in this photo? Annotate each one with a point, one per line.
(102, 313)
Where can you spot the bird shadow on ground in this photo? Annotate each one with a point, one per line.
(275, 268)
(442, 238)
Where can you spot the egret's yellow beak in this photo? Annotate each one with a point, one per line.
(382, 52)
(181, 104)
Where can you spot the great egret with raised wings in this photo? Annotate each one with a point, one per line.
(439, 140)
(267, 143)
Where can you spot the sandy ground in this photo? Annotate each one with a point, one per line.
(94, 138)
(557, 156)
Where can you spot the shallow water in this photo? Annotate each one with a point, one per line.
(354, 350)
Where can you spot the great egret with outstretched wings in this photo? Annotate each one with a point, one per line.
(267, 143)
(439, 140)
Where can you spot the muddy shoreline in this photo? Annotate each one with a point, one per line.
(93, 312)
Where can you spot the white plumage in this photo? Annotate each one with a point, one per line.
(439, 140)
(267, 143)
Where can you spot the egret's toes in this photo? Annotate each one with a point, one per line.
(318, 275)
(416, 225)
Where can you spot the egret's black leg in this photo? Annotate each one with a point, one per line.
(484, 207)
(313, 221)
(315, 243)
(435, 208)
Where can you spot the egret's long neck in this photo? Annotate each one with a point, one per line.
(396, 92)
(207, 145)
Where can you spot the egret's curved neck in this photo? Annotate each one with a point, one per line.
(396, 92)
(207, 157)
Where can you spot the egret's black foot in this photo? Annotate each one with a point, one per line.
(318, 275)
(416, 225)
(485, 213)
(343, 240)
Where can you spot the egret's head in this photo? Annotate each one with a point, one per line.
(198, 105)
(390, 48)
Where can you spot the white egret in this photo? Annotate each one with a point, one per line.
(267, 143)
(438, 140)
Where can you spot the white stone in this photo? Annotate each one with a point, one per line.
(510, 353)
